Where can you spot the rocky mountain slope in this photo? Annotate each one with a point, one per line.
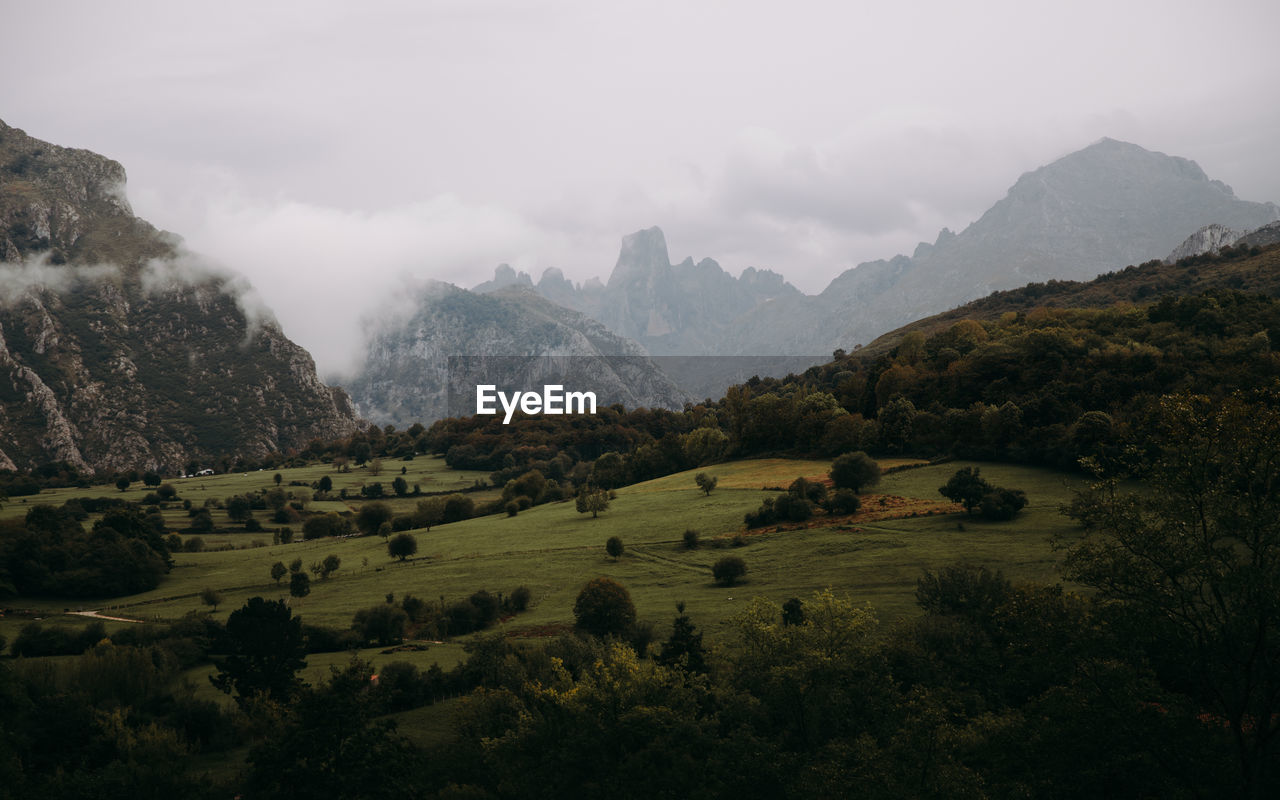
(425, 365)
(1104, 207)
(119, 350)
(1212, 239)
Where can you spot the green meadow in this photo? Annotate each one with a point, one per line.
(553, 550)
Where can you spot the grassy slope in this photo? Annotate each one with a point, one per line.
(554, 550)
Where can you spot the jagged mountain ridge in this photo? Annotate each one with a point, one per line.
(671, 309)
(119, 350)
(1101, 208)
(512, 337)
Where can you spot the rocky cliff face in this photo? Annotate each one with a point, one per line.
(512, 338)
(118, 350)
(1212, 239)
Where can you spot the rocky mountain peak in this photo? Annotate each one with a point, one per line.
(504, 276)
(642, 257)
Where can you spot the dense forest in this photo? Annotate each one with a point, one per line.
(1163, 682)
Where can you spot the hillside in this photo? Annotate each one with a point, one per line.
(118, 349)
(1246, 270)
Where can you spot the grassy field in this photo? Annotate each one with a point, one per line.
(430, 473)
(876, 556)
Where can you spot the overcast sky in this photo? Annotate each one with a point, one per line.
(330, 151)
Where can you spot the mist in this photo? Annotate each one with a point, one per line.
(328, 153)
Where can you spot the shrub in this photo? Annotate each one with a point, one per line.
(728, 570)
(854, 471)
(691, 539)
(843, 501)
(384, 624)
(402, 545)
(519, 599)
(614, 547)
(604, 608)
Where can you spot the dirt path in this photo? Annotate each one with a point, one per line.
(100, 615)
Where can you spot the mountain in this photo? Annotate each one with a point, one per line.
(1101, 208)
(1098, 209)
(424, 365)
(682, 314)
(1242, 270)
(672, 309)
(118, 349)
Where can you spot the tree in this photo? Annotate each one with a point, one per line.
(854, 471)
(1002, 504)
(329, 566)
(238, 509)
(705, 482)
(691, 539)
(430, 512)
(614, 547)
(593, 500)
(384, 624)
(793, 612)
(211, 597)
(684, 648)
(333, 744)
(266, 647)
(278, 571)
(402, 545)
(371, 517)
(122, 483)
(400, 486)
(604, 608)
(966, 487)
(325, 484)
(299, 585)
(1196, 555)
(727, 570)
(324, 525)
(151, 478)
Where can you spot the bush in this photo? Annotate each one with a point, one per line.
(604, 608)
(402, 545)
(325, 525)
(843, 501)
(614, 547)
(691, 539)
(854, 471)
(519, 599)
(372, 516)
(728, 570)
(384, 624)
(1002, 504)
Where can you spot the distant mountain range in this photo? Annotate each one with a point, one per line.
(117, 349)
(1107, 206)
(120, 350)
